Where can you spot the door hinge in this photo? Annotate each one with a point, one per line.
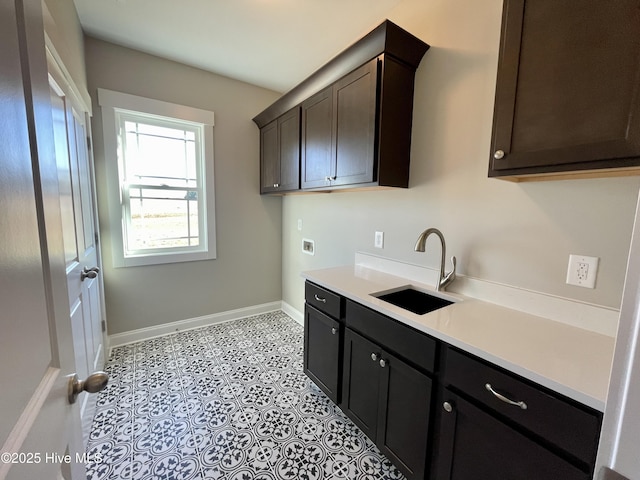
(97, 238)
(89, 143)
(104, 326)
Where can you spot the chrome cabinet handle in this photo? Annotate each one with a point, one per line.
(334, 330)
(89, 273)
(447, 407)
(383, 362)
(498, 154)
(276, 185)
(501, 397)
(374, 357)
(319, 299)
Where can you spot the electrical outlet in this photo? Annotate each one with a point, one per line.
(582, 271)
(378, 240)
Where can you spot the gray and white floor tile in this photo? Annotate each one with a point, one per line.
(229, 401)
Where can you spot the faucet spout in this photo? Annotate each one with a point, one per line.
(443, 279)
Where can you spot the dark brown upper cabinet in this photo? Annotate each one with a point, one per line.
(566, 100)
(280, 154)
(355, 117)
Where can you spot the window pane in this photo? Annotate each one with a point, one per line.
(162, 219)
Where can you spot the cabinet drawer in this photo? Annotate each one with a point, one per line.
(324, 300)
(573, 428)
(402, 340)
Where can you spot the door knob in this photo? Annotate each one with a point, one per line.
(89, 273)
(93, 383)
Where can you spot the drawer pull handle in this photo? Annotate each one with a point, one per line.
(319, 299)
(499, 396)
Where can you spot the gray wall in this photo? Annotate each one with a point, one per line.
(515, 234)
(247, 271)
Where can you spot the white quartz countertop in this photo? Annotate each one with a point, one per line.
(564, 358)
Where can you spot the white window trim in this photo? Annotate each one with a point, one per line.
(109, 101)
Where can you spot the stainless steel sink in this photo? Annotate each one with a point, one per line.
(413, 300)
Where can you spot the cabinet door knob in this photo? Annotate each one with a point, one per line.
(334, 330)
(498, 154)
(383, 363)
(276, 185)
(447, 407)
(374, 357)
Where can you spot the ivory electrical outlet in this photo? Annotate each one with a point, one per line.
(582, 271)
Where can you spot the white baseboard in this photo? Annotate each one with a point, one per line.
(138, 335)
(295, 314)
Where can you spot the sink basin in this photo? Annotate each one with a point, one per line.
(414, 300)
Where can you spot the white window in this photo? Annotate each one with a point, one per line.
(159, 159)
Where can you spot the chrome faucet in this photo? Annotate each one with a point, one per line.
(443, 280)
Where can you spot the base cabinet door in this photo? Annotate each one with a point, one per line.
(361, 382)
(322, 355)
(473, 444)
(405, 408)
(390, 402)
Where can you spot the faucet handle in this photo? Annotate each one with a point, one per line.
(451, 276)
(454, 262)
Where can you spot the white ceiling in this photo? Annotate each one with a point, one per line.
(271, 43)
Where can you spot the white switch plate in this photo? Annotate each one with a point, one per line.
(582, 271)
(299, 224)
(378, 240)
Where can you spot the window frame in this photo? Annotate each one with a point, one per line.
(113, 104)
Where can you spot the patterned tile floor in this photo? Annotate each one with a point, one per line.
(228, 401)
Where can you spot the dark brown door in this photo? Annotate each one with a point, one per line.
(269, 157)
(473, 444)
(405, 408)
(317, 150)
(289, 150)
(322, 359)
(361, 382)
(567, 93)
(355, 106)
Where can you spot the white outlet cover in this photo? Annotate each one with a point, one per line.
(582, 271)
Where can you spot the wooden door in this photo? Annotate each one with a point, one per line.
(567, 87)
(317, 146)
(473, 444)
(269, 157)
(289, 150)
(322, 359)
(361, 382)
(79, 235)
(355, 106)
(405, 410)
(38, 426)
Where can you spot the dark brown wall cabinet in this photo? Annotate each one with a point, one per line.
(280, 154)
(356, 116)
(567, 95)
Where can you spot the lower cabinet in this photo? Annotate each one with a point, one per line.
(389, 400)
(473, 444)
(322, 351)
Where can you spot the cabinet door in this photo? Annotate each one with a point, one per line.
(269, 157)
(355, 105)
(405, 406)
(567, 87)
(317, 148)
(322, 357)
(473, 444)
(289, 150)
(361, 382)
